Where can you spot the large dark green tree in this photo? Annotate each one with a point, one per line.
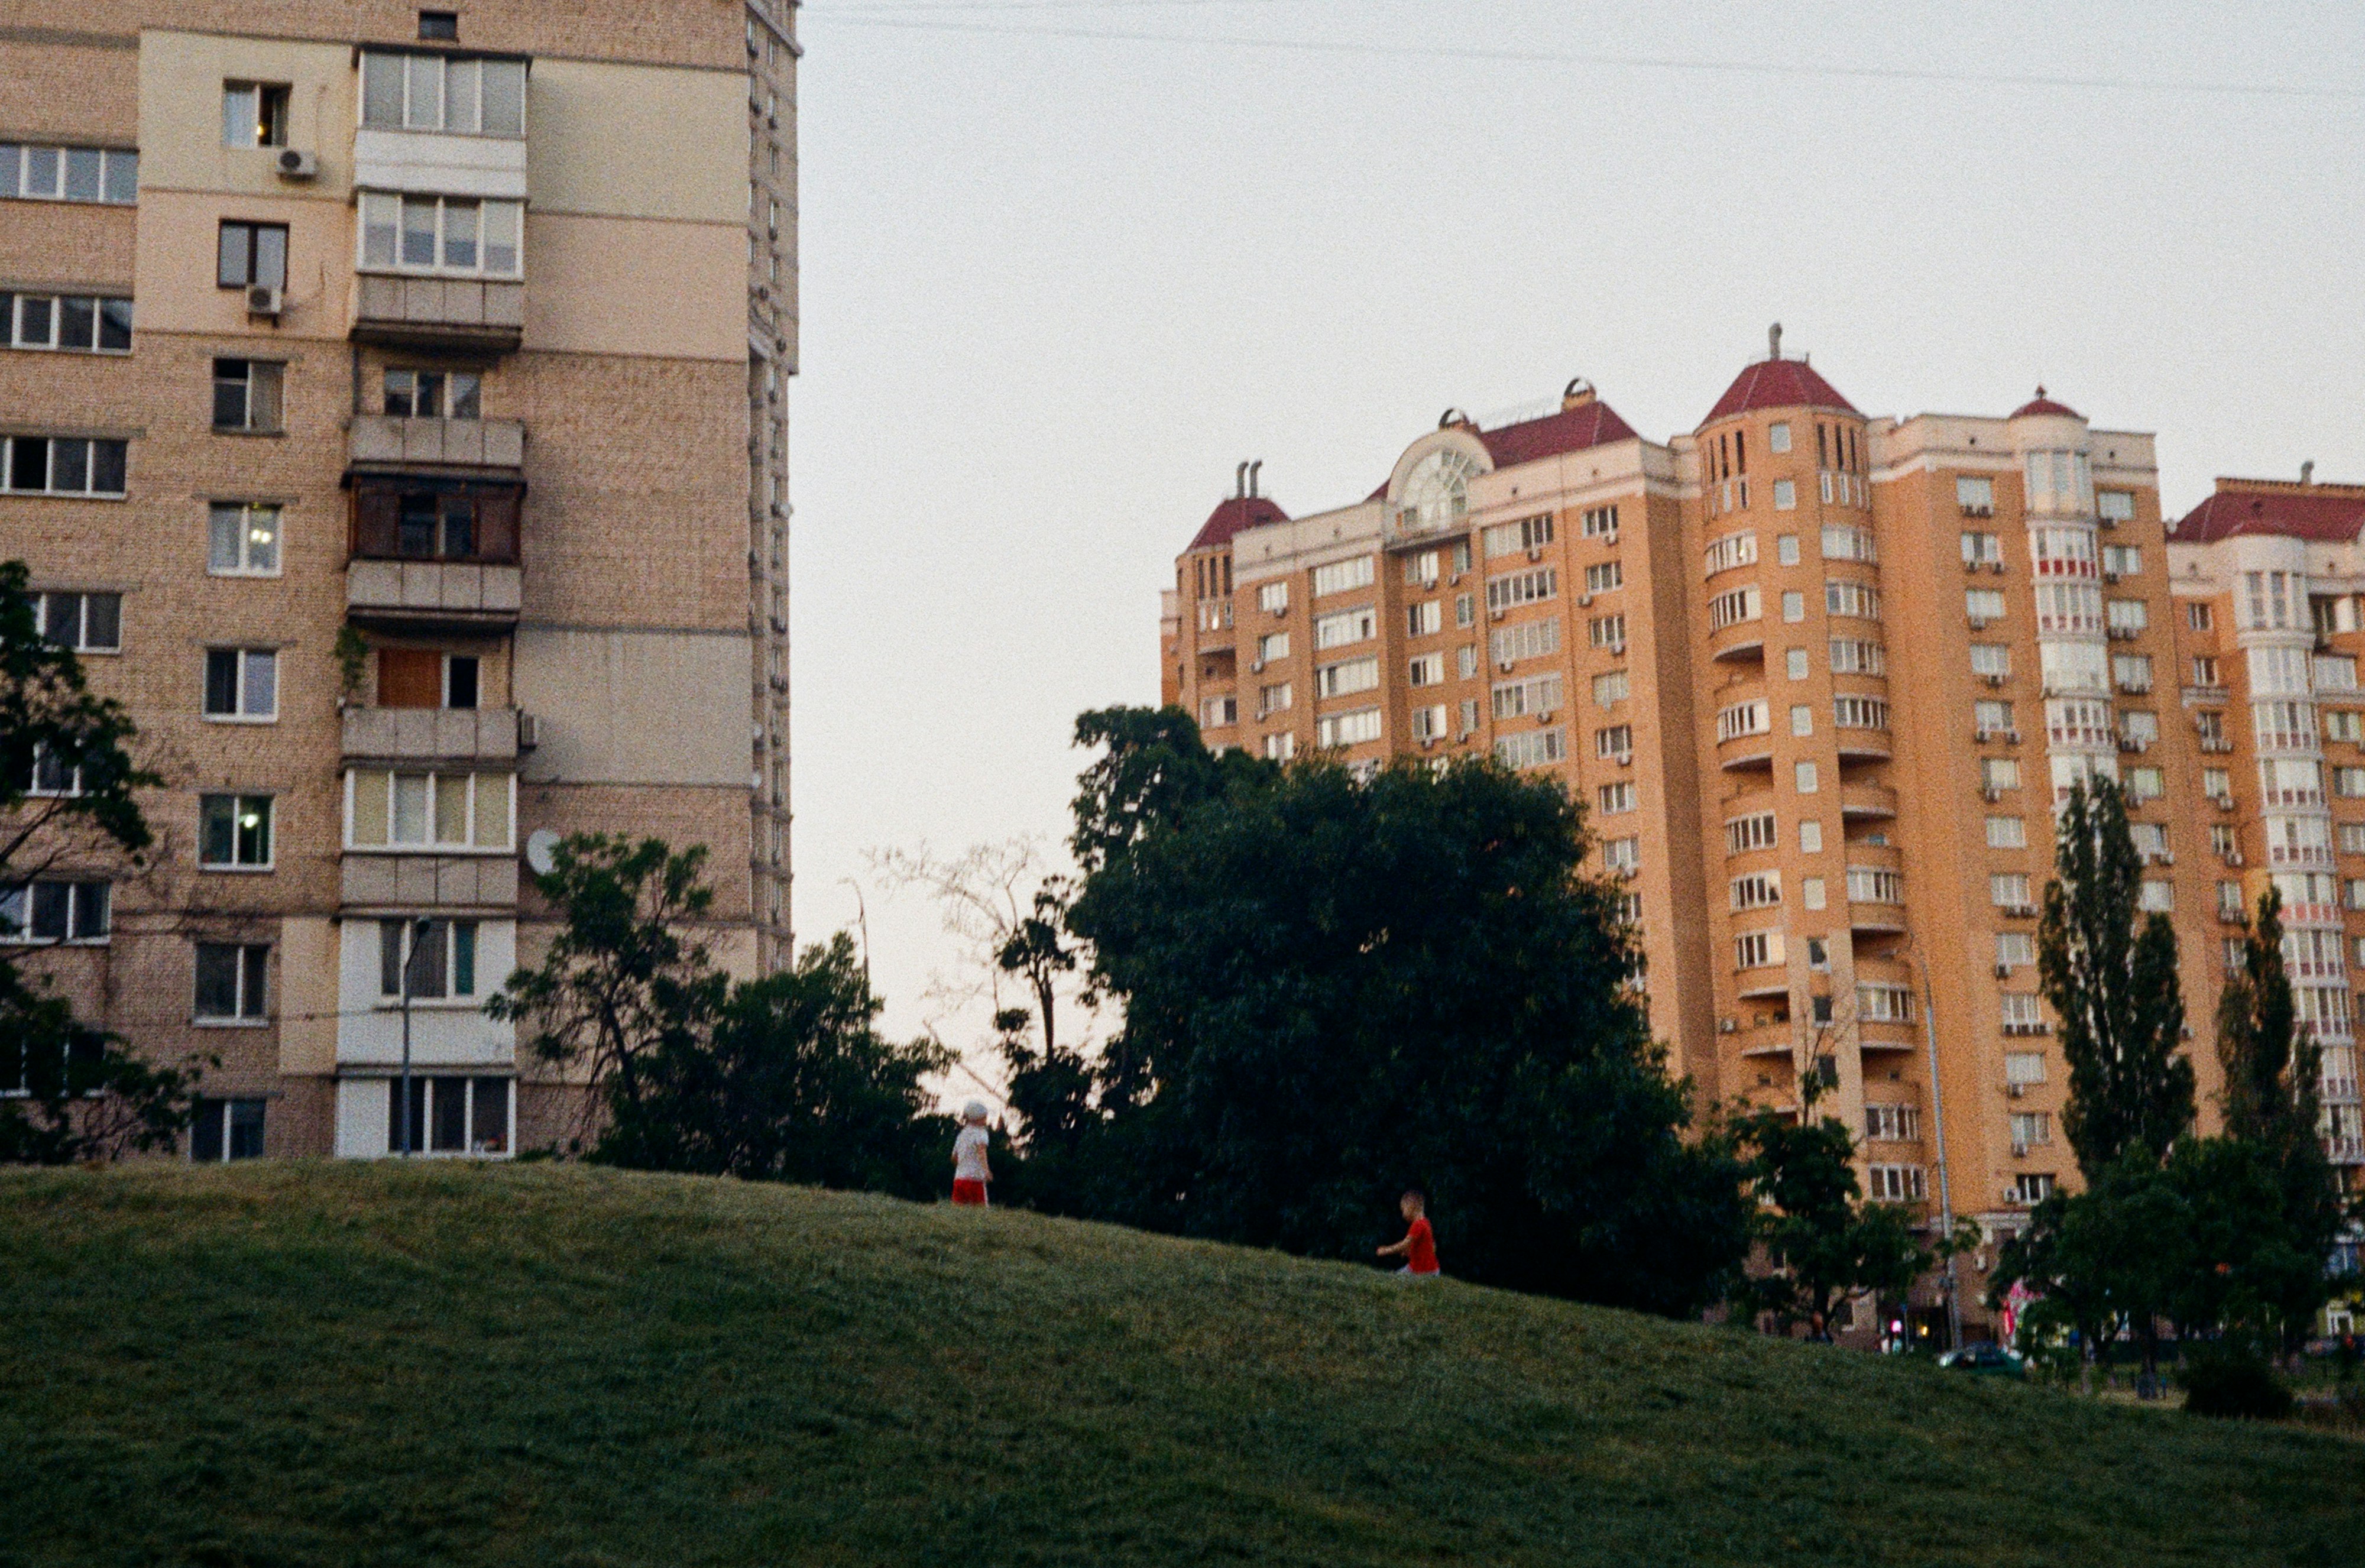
(2109, 973)
(1335, 989)
(72, 1092)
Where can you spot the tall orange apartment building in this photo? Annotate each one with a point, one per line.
(393, 405)
(1819, 679)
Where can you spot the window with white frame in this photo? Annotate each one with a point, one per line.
(1527, 640)
(2007, 833)
(2031, 1128)
(37, 172)
(2156, 896)
(1892, 1123)
(2016, 949)
(1512, 538)
(1218, 712)
(1609, 689)
(1273, 598)
(1425, 669)
(1860, 712)
(1752, 718)
(2122, 560)
(447, 236)
(232, 982)
(1758, 889)
(1607, 631)
(55, 910)
(69, 324)
(2072, 666)
(451, 1114)
(1999, 773)
(2068, 607)
(2031, 1187)
(1845, 542)
(1983, 605)
(1354, 728)
(1430, 722)
(1982, 549)
(1732, 550)
(1894, 1184)
(243, 540)
(1613, 741)
(1346, 626)
(1343, 576)
(1758, 951)
(389, 809)
(1532, 748)
(1602, 576)
(1279, 747)
(234, 832)
(457, 96)
(1975, 494)
(1273, 699)
(1424, 620)
(1991, 717)
(1844, 596)
(1731, 609)
(1786, 495)
(221, 1130)
(1754, 831)
(1347, 677)
(1855, 656)
(241, 684)
(1786, 549)
(2128, 615)
(1990, 659)
(442, 957)
(65, 465)
(87, 622)
(1622, 854)
(247, 395)
(2118, 506)
(2024, 1067)
(1465, 660)
(1525, 587)
(2021, 1013)
(1875, 884)
(1273, 647)
(1884, 1002)
(2131, 672)
(1601, 522)
(1615, 799)
(1537, 694)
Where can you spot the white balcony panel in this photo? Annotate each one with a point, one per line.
(444, 1031)
(433, 162)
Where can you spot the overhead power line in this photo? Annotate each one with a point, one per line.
(1619, 62)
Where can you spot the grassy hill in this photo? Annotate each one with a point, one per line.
(352, 1364)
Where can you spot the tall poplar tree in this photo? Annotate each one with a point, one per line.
(2109, 974)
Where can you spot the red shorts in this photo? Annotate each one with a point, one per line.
(970, 1195)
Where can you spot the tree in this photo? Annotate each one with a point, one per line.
(67, 786)
(2109, 974)
(624, 980)
(792, 1083)
(1335, 988)
(1823, 1243)
(2122, 1252)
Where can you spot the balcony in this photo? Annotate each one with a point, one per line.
(430, 735)
(1861, 746)
(433, 596)
(385, 443)
(1757, 985)
(1865, 800)
(483, 315)
(429, 880)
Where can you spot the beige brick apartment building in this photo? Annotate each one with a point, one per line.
(1819, 679)
(393, 404)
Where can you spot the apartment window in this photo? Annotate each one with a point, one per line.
(1622, 854)
(1811, 837)
(1975, 496)
(1217, 712)
(1732, 550)
(2031, 1188)
(55, 910)
(1421, 569)
(2145, 784)
(445, 520)
(2132, 672)
(1759, 889)
(2122, 560)
(1613, 741)
(1754, 831)
(1272, 598)
(1272, 699)
(2009, 890)
(1794, 664)
(439, 26)
(1348, 729)
(423, 677)
(2115, 506)
(1468, 713)
(442, 957)
(1983, 605)
(458, 395)
(1465, 660)
(451, 1114)
(1803, 778)
(1802, 719)
(2024, 1067)
(1517, 698)
(1510, 538)
(1743, 719)
(1757, 949)
(1532, 748)
(1786, 549)
(1892, 1123)
(241, 683)
(2333, 672)
(1466, 609)
(87, 622)
(429, 810)
(1528, 588)
(1731, 609)
(1600, 578)
(2128, 616)
(1605, 632)
(254, 114)
(1425, 619)
(252, 255)
(434, 92)
(1615, 798)
(1999, 773)
(1426, 669)
(446, 235)
(1778, 436)
(1271, 648)
(234, 832)
(1347, 626)
(1990, 718)
(242, 541)
(1818, 1008)
(2197, 618)
(1601, 522)
(2007, 833)
(2021, 1012)
(2156, 897)
(2031, 1128)
(1279, 747)
(1609, 689)
(232, 982)
(2217, 782)
(1875, 884)
(2068, 607)
(32, 173)
(73, 323)
(1990, 660)
(1794, 606)
(1981, 549)
(1810, 893)
(1346, 677)
(1342, 576)
(1884, 1004)
(2141, 727)
(226, 1130)
(1859, 713)
(1843, 541)
(1895, 1183)
(64, 465)
(247, 393)
(2015, 949)
(1428, 723)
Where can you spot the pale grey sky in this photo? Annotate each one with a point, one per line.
(1055, 287)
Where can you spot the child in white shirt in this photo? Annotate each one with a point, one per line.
(971, 1173)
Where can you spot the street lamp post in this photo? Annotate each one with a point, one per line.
(1938, 1131)
(415, 930)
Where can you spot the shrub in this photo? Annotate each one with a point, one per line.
(2235, 1384)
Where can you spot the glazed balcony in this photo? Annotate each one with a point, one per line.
(432, 553)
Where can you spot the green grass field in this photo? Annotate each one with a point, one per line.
(346, 1364)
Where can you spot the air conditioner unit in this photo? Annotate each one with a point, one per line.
(2224, 802)
(2232, 858)
(1535, 551)
(2011, 737)
(1727, 1026)
(1426, 741)
(2004, 971)
(1979, 623)
(1586, 598)
(1981, 737)
(1991, 794)
(1996, 680)
(2110, 576)
(2015, 1091)
(1972, 566)
(1543, 718)
(1256, 667)
(1505, 666)
(264, 300)
(529, 730)
(2020, 1151)
(1625, 759)
(295, 164)
(1495, 615)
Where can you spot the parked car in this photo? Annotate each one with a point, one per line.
(1985, 1357)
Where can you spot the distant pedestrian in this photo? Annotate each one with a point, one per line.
(971, 1173)
(1419, 1248)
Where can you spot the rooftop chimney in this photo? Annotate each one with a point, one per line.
(1240, 481)
(1773, 341)
(1254, 468)
(2307, 472)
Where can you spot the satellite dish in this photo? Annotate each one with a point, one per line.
(540, 847)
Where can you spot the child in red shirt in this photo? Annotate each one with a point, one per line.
(1419, 1248)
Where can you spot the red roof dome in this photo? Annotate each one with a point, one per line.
(1234, 513)
(1778, 384)
(2324, 514)
(2042, 404)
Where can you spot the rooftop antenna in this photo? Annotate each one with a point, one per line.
(1773, 341)
(2307, 472)
(1253, 469)
(1240, 481)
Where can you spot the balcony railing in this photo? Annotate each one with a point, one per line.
(381, 440)
(430, 735)
(433, 596)
(430, 880)
(437, 312)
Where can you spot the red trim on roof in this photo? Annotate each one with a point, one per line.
(1234, 513)
(1778, 384)
(2324, 514)
(2045, 405)
(1594, 423)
